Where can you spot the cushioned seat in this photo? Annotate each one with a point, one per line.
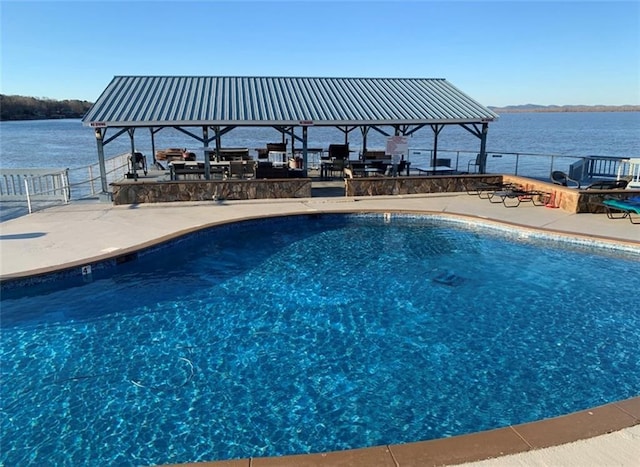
(623, 208)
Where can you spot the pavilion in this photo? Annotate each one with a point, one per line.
(207, 107)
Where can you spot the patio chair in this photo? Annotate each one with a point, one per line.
(475, 164)
(336, 165)
(236, 169)
(275, 152)
(137, 162)
(338, 151)
(249, 169)
(560, 178)
(623, 208)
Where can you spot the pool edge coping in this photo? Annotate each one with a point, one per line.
(489, 222)
(473, 447)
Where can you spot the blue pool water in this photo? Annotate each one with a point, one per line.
(310, 334)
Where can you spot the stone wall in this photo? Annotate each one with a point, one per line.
(136, 192)
(571, 199)
(561, 197)
(565, 198)
(376, 186)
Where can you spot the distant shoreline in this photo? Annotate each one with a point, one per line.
(24, 108)
(532, 108)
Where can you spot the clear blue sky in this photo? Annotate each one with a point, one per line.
(500, 53)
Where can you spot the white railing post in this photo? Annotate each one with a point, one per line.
(26, 189)
(65, 187)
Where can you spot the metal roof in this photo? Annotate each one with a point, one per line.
(256, 101)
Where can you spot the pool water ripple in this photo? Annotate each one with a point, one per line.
(307, 335)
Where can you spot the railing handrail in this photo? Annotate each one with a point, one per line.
(89, 175)
(24, 184)
(40, 187)
(587, 166)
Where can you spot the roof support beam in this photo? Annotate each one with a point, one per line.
(108, 140)
(436, 131)
(380, 130)
(475, 130)
(480, 132)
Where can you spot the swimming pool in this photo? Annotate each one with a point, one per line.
(310, 334)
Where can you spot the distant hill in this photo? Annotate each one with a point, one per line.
(31, 108)
(565, 108)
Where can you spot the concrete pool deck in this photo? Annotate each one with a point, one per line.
(85, 232)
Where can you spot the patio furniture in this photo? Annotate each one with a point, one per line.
(512, 197)
(137, 161)
(169, 154)
(485, 189)
(229, 154)
(334, 166)
(608, 185)
(623, 208)
(338, 151)
(560, 178)
(375, 155)
(335, 161)
(266, 169)
(476, 164)
(430, 170)
(186, 169)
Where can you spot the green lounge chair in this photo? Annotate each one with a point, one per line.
(621, 208)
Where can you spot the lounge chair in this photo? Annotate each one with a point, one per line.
(484, 190)
(561, 178)
(608, 185)
(623, 208)
(512, 197)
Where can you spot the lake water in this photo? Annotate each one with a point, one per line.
(68, 144)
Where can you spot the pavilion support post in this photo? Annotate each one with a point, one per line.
(436, 131)
(304, 149)
(482, 167)
(207, 162)
(293, 143)
(365, 131)
(216, 130)
(99, 133)
(153, 147)
(132, 156)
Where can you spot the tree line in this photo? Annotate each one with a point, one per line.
(31, 108)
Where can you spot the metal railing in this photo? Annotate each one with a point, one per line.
(48, 185)
(532, 165)
(25, 190)
(85, 181)
(33, 187)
